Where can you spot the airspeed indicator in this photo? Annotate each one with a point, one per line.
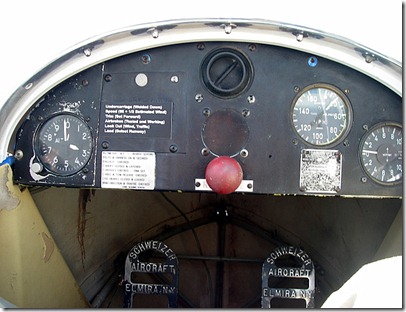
(321, 115)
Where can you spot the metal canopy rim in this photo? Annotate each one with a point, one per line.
(146, 36)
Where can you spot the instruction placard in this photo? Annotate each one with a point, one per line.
(128, 170)
(138, 120)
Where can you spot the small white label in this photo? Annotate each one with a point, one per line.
(128, 170)
(320, 171)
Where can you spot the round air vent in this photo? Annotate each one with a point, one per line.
(226, 72)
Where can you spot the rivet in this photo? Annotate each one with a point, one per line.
(87, 52)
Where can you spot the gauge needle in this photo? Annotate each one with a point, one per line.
(65, 130)
(74, 147)
(369, 152)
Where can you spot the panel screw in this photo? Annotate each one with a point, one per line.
(246, 112)
(249, 185)
(85, 82)
(200, 46)
(346, 143)
(206, 112)
(146, 59)
(251, 99)
(173, 148)
(364, 180)
(19, 154)
(244, 153)
(199, 98)
(197, 184)
(205, 151)
(296, 89)
(107, 78)
(252, 47)
(312, 61)
(105, 144)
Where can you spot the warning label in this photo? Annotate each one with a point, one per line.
(128, 170)
(139, 120)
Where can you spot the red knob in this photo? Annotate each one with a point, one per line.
(224, 175)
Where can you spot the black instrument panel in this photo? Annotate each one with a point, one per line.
(296, 123)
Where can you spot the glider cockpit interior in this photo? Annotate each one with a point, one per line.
(200, 163)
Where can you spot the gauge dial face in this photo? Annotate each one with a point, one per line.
(64, 144)
(381, 153)
(321, 115)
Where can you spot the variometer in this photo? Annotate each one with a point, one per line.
(381, 153)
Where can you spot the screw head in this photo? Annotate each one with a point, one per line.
(173, 148)
(205, 151)
(251, 99)
(19, 154)
(206, 112)
(246, 112)
(199, 98)
(252, 47)
(146, 59)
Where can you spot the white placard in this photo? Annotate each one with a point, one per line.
(128, 170)
(320, 171)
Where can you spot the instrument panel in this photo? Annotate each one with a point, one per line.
(296, 123)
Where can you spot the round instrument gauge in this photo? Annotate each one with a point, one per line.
(64, 144)
(321, 115)
(381, 153)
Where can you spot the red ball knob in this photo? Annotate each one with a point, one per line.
(224, 175)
